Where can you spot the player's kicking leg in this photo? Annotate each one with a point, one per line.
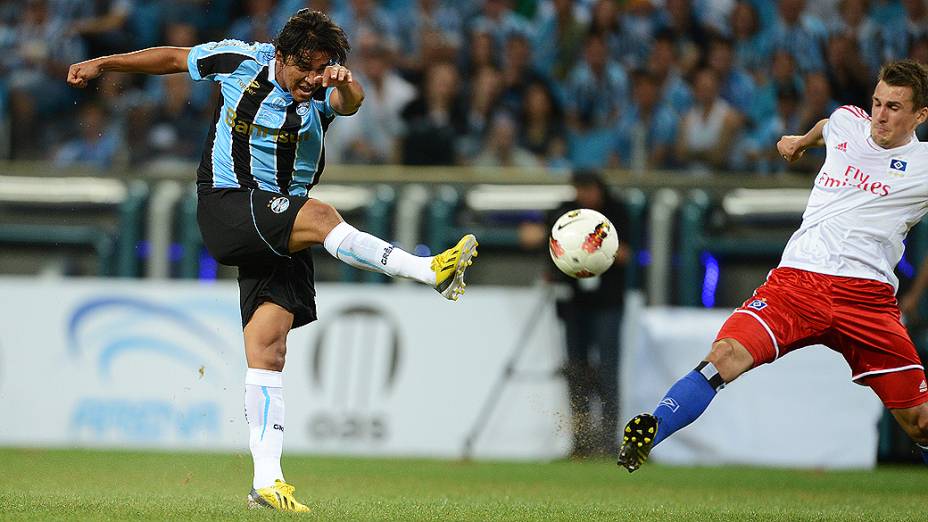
(684, 402)
(319, 223)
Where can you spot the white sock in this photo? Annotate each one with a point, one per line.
(364, 251)
(264, 411)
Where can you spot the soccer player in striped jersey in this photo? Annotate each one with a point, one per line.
(835, 283)
(263, 155)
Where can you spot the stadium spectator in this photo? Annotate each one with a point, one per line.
(708, 129)
(103, 24)
(637, 25)
(751, 42)
(435, 119)
(481, 53)
(558, 40)
(542, 126)
(801, 34)
(735, 84)
(596, 91)
(760, 144)
(98, 141)
(898, 41)
(257, 24)
(35, 54)
(361, 18)
(372, 136)
(647, 130)
(433, 28)
(855, 23)
(483, 101)
(501, 147)
(663, 66)
(498, 19)
(848, 74)
(691, 38)
(517, 72)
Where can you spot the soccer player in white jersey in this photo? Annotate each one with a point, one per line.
(835, 283)
(264, 153)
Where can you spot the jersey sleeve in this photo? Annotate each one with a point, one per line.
(846, 122)
(322, 103)
(217, 60)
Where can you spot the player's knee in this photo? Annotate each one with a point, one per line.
(920, 427)
(728, 359)
(314, 221)
(273, 355)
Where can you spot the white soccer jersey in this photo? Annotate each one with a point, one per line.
(863, 203)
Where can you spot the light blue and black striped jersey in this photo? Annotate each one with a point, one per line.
(260, 138)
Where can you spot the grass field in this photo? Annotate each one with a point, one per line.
(97, 485)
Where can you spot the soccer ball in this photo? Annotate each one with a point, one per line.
(583, 243)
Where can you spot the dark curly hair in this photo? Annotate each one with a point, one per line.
(308, 32)
(908, 73)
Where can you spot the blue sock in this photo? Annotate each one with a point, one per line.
(924, 450)
(686, 400)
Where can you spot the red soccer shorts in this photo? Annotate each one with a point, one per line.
(858, 318)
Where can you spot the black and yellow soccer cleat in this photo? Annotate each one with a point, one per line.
(278, 497)
(637, 441)
(449, 267)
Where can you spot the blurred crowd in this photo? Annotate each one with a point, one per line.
(696, 86)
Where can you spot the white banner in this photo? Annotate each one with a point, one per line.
(387, 370)
(801, 411)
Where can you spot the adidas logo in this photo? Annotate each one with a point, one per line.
(842, 147)
(923, 387)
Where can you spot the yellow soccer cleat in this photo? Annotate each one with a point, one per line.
(449, 267)
(279, 497)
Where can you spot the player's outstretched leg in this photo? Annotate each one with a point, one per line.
(278, 496)
(444, 272)
(685, 401)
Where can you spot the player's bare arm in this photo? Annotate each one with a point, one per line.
(155, 60)
(792, 147)
(348, 93)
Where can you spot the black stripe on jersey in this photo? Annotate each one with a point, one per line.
(245, 112)
(286, 150)
(325, 120)
(205, 170)
(221, 63)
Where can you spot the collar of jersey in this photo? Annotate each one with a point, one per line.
(272, 77)
(910, 143)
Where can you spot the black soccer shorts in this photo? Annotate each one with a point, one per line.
(250, 229)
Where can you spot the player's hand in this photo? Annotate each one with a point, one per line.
(335, 76)
(81, 73)
(790, 148)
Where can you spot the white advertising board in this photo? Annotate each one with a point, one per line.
(387, 370)
(801, 411)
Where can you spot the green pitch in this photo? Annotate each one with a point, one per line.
(91, 485)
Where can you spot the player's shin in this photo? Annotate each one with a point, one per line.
(367, 252)
(264, 412)
(687, 399)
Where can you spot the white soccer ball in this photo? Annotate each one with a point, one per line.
(583, 243)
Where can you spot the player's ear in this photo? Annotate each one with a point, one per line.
(922, 115)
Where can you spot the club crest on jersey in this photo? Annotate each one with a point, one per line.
(842, 147)
(302, 108)
(897, 167)
(758, 304)
(279, 205)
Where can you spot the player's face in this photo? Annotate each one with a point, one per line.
(894, 116)
(301, 80)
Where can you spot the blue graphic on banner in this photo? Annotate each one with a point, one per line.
(124, 325)
(144, 420)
